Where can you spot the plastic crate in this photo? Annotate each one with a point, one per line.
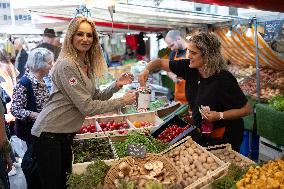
(177, 121)
(147, 116)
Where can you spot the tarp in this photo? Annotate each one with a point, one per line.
(240, 49)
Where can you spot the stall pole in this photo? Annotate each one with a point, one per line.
(256, 59)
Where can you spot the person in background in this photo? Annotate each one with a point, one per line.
(5, 150)
(21, 56)
(48, 38)
(215, 97)
(74, 96)
(129, 54)
(30, 93)
(178, 45)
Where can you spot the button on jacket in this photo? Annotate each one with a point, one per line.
(73, 97)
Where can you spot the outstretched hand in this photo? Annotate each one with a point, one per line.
(143, 76)
(124, 79)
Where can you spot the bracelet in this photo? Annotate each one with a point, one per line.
(6, 148)
(221, 115)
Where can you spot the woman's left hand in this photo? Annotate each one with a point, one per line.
(124, 79)
(211, 115)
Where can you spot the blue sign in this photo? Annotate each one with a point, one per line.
(273, 30)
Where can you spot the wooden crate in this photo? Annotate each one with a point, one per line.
(200, 182)
(244, 161)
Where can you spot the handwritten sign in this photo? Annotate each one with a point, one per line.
(136, 150)
(273, 30)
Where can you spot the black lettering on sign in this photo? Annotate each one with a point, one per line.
(136, 150)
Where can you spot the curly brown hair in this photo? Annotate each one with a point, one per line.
(94, 56)
(210, 48)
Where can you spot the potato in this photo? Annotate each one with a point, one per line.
(210, 160)
(202, 158)
(191, 173)
(186, 169)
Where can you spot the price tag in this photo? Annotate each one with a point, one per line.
(136, 150)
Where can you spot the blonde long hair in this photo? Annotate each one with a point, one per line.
(210, 48)
(94, 55)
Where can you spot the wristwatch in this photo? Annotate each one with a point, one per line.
(221, 115)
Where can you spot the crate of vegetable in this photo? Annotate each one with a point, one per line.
(89, 129)
(147, 120)
(172, 130)
(139, 171)
(225, 153)
(269, 175)
(197, 165)
(114, 125)
(152, 145)
(86, 150)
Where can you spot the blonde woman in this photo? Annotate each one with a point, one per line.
(216, 100)
(73, 97)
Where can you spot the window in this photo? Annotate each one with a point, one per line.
(20, 17)
(5, 17)
(8, 4)
(198, 9)
(29, 17)
(4, 5)
(16, 17)
(0, 5)
(24, 17)
(9, 17)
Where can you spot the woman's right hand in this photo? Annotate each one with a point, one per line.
(129, 97)
(143, 76)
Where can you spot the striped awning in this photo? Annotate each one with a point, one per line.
(240, 49)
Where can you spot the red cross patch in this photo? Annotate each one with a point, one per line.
(73, 81)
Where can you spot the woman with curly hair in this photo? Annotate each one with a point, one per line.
(217, 102)
(73, 97)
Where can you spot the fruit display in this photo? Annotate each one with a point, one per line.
(112, 125)
(269, 175)
(90, 149)
(226, 154)
(279, 81)
(90, 128)
(248, 86)
(171, 133)
(193, 162)
(152, 145)
(268, 92)
(142, 124)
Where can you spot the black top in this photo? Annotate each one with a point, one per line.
(220, 92)
(180, 54)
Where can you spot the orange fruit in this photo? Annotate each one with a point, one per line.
(137, 124)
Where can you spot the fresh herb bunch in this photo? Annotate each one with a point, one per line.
(91, 179)
(152, 145)
(277, 103)
(156, 104)
(235, 173)
(89, 149)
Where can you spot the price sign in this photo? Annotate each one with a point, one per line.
(136, 150)
(273, 30)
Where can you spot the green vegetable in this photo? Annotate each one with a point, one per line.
(277, 103)
(91, 179)
(153, 145)
(225, 182)
(90, 149)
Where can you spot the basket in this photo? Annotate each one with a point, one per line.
(204, 180)
(135, 161)
(244, 161)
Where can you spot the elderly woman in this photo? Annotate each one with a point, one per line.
(210, 89)
(74, 96)
(30, 93)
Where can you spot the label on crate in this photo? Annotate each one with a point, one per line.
(136, 150)
(143, 100)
